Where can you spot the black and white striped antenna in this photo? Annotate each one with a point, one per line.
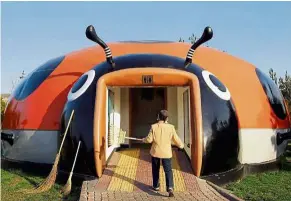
(206, 36)
(91, 34)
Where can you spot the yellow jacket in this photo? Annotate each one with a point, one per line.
(162, 135)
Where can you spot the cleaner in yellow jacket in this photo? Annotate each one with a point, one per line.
(162, 135)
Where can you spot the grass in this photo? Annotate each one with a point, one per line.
(14, 180)
(268, 186)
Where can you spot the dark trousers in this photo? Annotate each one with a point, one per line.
(167, 165)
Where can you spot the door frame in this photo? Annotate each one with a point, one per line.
(110, 149)
(187, 149)
(130, 99)
(161, 77)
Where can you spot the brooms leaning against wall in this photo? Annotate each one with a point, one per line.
(50, 180)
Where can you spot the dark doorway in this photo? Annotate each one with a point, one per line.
(145, 105)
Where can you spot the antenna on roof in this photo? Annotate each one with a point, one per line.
(206, 36)
(91, 34)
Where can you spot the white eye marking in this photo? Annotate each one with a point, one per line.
(225, 95)
(90, 77)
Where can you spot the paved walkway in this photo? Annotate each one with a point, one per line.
(128, 177)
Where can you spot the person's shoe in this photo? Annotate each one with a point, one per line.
(171, 193)
(156, 189)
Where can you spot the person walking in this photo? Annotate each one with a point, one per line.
(162, 135)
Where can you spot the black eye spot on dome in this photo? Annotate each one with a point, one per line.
(34, 80)
(79, 83)
(217, 83)
(273, 93)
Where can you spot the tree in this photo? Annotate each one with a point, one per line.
(273, 76)
(285, 87)
(181, 40)
(284, 84)
(16, 81)
(3, 105)
(192, 39)
(22, 75)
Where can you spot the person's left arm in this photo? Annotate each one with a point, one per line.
(149, 138)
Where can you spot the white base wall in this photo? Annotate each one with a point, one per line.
(32, 146)
(259, 145)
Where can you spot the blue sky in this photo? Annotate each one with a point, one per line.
(34, 32)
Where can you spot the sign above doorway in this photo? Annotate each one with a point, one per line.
(147, 79)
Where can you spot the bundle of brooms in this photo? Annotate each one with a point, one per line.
(50, 180)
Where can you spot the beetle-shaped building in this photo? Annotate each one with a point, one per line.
(229, 114)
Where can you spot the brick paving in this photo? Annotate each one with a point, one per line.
(128, 177)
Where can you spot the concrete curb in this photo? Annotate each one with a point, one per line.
(224, 192)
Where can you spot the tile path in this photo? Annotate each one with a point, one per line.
(128, 177)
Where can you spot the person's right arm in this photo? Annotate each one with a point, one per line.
(149, 138)
(176, 140)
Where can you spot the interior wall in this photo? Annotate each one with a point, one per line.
(124, 111)
(117, 112)
(172, 105)
(116, 117)
(180, 116)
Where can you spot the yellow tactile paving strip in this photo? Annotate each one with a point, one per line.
(179, 183)
(125, 171)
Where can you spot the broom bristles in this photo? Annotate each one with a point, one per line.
(49, 181)
(67, 188)
(121, 137)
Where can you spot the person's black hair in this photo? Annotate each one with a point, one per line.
(163, 115)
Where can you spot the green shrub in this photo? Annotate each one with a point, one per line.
(3, 105)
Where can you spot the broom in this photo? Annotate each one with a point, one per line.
(67, 188)
(50, 180)
(122, 137)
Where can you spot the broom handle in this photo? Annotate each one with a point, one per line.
(132, 138)
(76, 156)
(66, 130)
